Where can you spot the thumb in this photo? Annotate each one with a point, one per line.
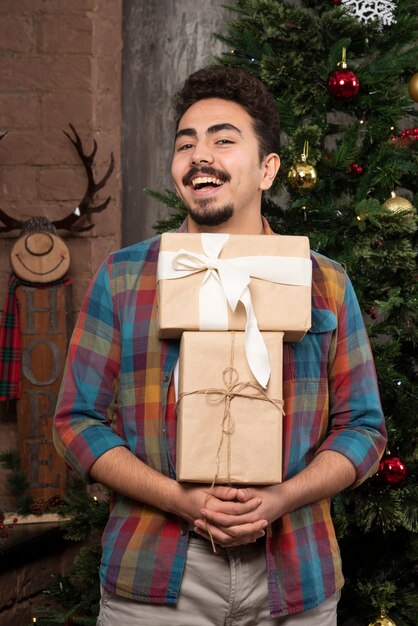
(243, 495)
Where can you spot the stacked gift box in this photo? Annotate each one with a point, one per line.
(233, 300)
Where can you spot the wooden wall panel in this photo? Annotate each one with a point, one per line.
(163, 42)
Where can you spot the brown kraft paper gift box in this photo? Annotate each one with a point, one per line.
(245, 447)
(277, 306)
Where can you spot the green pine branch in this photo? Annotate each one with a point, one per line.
(16, 482)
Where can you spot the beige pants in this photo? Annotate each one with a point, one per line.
(229, 589)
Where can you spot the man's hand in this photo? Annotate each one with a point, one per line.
(243, 525)
(220, 501)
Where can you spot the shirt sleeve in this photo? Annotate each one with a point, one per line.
(357, 428)
(82, 432)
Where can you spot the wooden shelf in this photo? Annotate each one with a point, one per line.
(45, 518)
(28, 531)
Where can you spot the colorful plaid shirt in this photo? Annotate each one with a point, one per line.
(331, 402)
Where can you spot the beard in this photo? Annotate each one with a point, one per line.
(206, 215)
(203, 212)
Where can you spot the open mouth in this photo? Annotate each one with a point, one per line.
(206, 182)
(205, 178)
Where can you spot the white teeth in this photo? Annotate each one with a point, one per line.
(200, 180)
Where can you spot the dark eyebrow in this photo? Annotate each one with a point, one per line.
(217, 127)
(191, 132)
(188, 132)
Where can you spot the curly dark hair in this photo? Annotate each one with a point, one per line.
(228, 83)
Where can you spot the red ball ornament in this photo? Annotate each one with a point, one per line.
(392, 470)
(342, 83)
(356, 169)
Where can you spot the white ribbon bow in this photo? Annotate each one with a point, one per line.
(226, 282)
(234, 281)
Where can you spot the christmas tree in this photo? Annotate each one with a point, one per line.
(344, 76)
(340, 72)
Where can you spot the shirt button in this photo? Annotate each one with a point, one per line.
(166, 378)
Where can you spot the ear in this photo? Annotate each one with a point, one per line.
(270, 167)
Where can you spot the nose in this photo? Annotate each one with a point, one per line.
(201, 154)
(39, 244)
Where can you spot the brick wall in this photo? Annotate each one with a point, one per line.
(60, 62)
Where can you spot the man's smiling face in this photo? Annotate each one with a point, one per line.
(216, 165)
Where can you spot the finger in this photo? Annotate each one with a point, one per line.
(224, 493)
(231, 536)
(231, 508)
(231, 521)
(216, 536)
(233, 532)
(243, 495)
(226, 520)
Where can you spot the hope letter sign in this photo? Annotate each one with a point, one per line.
(45, 327)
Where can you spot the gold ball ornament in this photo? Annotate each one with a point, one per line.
(397, 204)
(413, 87)
(382, 620)
(302, 176)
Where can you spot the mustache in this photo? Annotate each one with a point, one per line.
(208, 170)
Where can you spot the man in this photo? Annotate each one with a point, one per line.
(278, 560)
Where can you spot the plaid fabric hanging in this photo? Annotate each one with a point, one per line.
(10, 344)
(11, 338)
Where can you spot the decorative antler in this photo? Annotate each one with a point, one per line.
(86, 207)
(9, 223)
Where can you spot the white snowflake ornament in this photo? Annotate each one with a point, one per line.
(367, 10)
